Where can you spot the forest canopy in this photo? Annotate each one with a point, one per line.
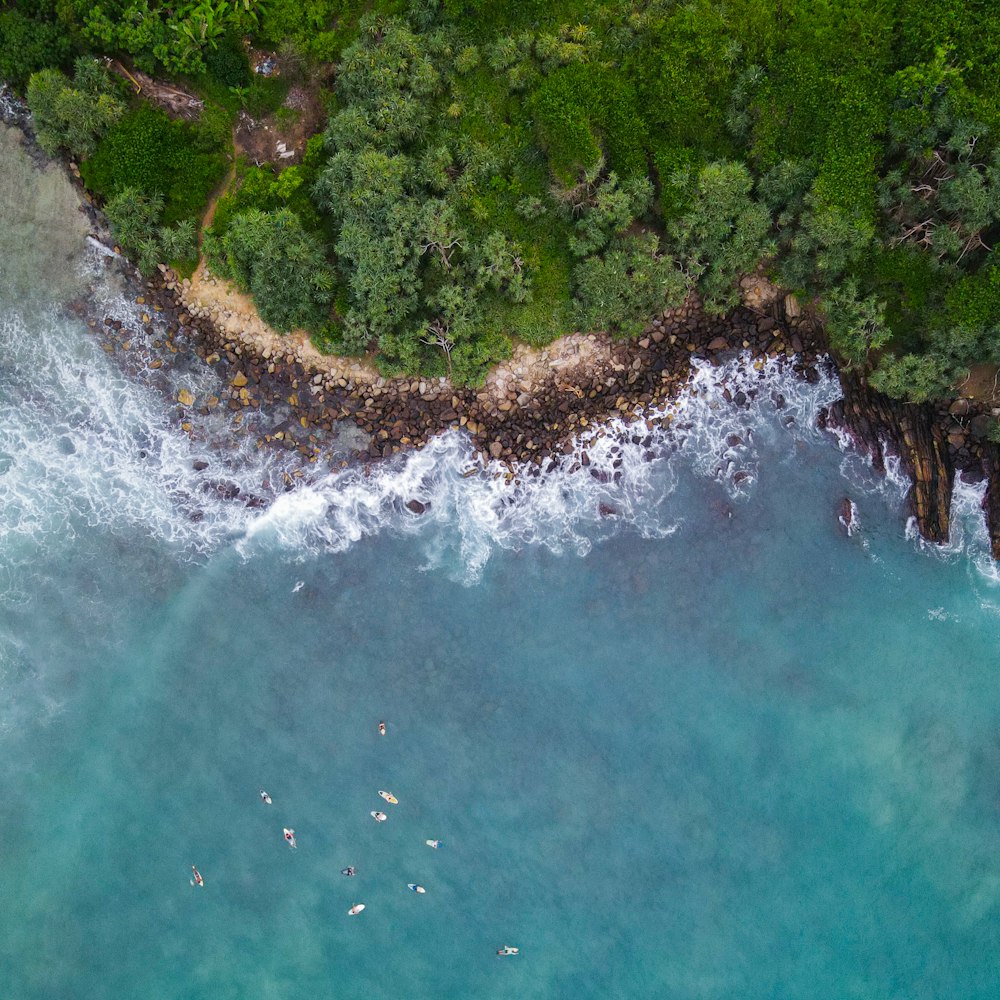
(492, 171)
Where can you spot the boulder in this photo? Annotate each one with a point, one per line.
(185, 397)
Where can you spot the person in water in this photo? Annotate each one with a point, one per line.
(350, 870)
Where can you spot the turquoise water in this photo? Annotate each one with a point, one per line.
(708, 748)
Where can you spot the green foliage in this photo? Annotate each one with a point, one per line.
(29, 42)
(723, 232)
(605, 210)
(284, 267)
(73, 115)
(916, 378)
(148, 151)
(228, 62)
(136, 220)
(585, 115)
(621, 290)
(856, 324)
(319, 29)
(175, 36)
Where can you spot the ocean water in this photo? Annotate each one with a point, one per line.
(702, 744)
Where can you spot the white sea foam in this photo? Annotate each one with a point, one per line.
(80, 443)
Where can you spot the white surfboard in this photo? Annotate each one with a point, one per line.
(355, 909)
(379, 817)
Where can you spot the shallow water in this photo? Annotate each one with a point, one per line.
(706, 747)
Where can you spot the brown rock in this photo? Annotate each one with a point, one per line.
(239, 380)
(185, 397)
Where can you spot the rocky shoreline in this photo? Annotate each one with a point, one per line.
(533, 408)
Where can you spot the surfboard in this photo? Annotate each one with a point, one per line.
(433, 843)
(355, 909)
(389, 797)
(413, 887)
(379, 817)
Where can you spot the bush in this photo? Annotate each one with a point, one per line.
(148, 151)
(723, 232)
(228, 62)
(29, 44)
(73, 115)
(271, 256)
(622, 290)
(915, 378)
(135, 221)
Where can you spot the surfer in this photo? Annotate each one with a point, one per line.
(290, 837)
(389, 797)
(379, 817)
(197, 880)
(381, 729)
(434, 843)
(355, 909)
(349, 870)
(507, 950)
(413, 887)
(264, 797)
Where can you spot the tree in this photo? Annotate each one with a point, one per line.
(136, 218)
(856, 324)
(621, 290)
(73, 115)
(722, 233)
(284, 267)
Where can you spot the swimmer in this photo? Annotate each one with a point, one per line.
(389, 797)
(290, 837)
(381, 729)
(434, 843)
(379, 817)
(507, 950)
(413, 887)
(349, 870)
(264, 797)
(197, 880)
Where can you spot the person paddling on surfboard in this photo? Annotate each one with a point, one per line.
(197, 880)
(379, 817)
(413, 887)
(434, 843)
(381, 729)
(507, 950)
(290, 837)
(349, 870)
(264, 797)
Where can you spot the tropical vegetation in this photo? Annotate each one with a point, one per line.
(492, 171)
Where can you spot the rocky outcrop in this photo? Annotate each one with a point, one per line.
(914, 432)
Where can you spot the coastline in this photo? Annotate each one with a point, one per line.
(532, 408)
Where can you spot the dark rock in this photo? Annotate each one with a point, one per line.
(416, 506)
(606, 510)
(199, 465)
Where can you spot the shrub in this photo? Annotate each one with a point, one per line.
(284, 267)
(723, 232)
(622, 290)
(148, 151)
(29, 44)
(228, 62)
(73, 115)
(136, 223)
